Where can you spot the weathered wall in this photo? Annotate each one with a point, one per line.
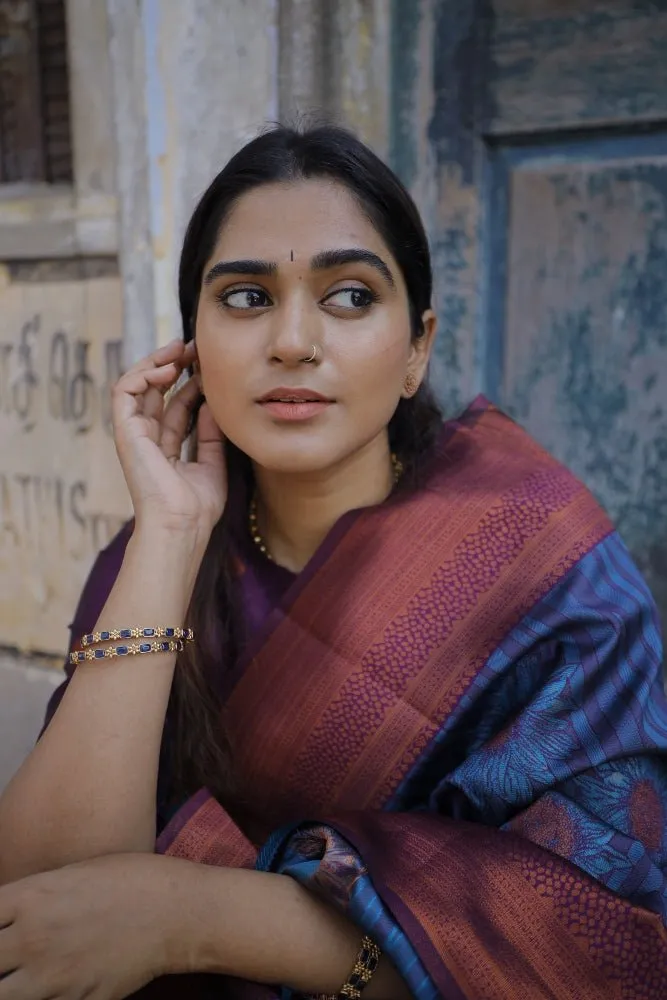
(62, 496)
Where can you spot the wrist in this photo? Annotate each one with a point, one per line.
(164, 885)
(190, 941)
(183, 534)
(166, 563)
(174, 555)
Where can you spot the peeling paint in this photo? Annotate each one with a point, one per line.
(461, 81)
(586, 352)
(567, 66)
(405, 25)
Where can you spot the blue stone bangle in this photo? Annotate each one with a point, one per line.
(364, 969)
(93, 638)
(131, 649)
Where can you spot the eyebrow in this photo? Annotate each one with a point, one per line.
(323, 261)
(336, 258)
(263, 268)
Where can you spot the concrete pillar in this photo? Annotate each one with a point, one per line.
(128, 72)
(335, 59)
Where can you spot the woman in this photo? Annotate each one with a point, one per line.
(444, 729)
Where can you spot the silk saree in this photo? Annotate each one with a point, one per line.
(452, 726)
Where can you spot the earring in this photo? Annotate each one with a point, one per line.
(410, 385)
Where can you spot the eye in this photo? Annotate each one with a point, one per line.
(245, 298)
(351, 298)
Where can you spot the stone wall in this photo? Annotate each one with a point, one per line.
(62, 495)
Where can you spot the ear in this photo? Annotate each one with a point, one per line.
(420, 354)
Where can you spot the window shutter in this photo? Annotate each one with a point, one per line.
(35, 133)
(52, 40)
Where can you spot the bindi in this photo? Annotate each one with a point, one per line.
(291, 255)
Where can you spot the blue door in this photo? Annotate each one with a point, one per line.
(534, 136)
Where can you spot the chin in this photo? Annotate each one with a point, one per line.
(290, 458)
(293, 463)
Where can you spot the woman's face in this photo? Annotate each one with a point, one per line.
(298, 267)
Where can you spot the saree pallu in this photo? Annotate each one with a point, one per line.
(453, 728)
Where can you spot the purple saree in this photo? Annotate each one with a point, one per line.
(452, 725)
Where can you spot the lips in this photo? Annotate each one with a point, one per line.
(286, 395)
(284, 405)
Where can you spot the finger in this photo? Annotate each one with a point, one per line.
(209, 440)
(176, 417)
(9, 951)
(7, 907)
(155, 398)
(152, 402)
(20, 985)
(176, 353)
(128, 396)
(190, 353)
(171, 353)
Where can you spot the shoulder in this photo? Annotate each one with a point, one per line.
(487, 458)
(498, 507)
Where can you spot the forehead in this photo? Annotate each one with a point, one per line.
(301, 217)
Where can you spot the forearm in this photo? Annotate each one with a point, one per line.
(89, 786)
(269, 929)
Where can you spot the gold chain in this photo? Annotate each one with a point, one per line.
(255, 533)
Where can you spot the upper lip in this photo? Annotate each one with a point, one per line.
(297, 395)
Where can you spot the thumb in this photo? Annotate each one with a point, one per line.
(209, 439)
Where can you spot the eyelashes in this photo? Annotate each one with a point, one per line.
(255, 298)
(359, 298)
(248, 298)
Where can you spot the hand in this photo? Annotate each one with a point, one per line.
(149, 436)
(99, 930)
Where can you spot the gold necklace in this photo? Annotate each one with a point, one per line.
(255, 533)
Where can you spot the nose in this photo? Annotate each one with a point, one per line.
(295, 330)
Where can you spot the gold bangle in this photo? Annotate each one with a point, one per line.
(131, 649)
(93, 638)
(364, 969)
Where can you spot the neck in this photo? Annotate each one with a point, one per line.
(296, 511)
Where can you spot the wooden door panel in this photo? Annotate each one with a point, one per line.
(563, 63)
(583, 330)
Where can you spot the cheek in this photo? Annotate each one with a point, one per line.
(224, 366)
(377, 363)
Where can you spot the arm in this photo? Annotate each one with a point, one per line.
(266, 928)
(89, 786)
(110, 925)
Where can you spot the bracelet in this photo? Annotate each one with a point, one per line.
(364, 969)
(133, 649)
(137, 633)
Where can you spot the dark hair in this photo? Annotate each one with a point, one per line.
(201, 752)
